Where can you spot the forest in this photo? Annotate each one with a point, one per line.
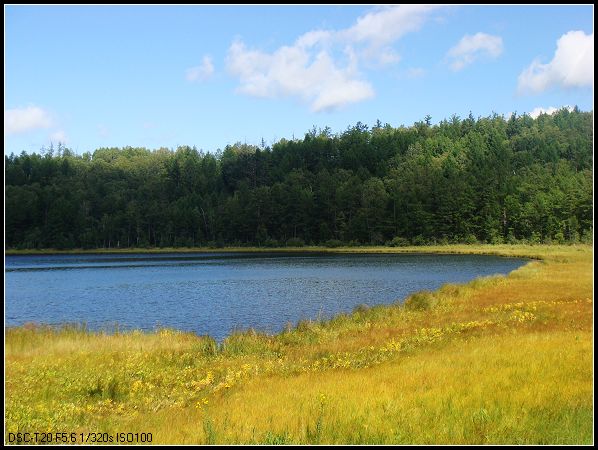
(487, 179)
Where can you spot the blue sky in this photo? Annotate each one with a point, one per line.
(163, 76)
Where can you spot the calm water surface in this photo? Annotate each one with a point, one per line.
(217, 293)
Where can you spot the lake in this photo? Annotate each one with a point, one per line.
(217, 293)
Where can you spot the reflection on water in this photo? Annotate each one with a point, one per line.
(216, 293)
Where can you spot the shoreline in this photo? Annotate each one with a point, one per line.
(428, 250)
(506, 250)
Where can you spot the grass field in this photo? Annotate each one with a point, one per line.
(503, 360)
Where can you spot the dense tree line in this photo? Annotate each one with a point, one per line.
(464, 180)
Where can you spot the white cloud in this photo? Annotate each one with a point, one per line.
(388, 56)
(22, 120)
(58, 136)
(415, 72)
(342, 93)
(550, 110)
(374, 32)
(321, 68)
(315, 37)
(571, 66)
(387, 24)
(470, 48)
(294, 71)
(202, 72)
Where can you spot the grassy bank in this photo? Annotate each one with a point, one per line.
(499, 360)
(533, 251)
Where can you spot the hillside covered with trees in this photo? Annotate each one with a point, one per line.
(464, 180)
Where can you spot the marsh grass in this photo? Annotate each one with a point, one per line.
(503, 360)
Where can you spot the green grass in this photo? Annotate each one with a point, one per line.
(535, 251)
(503, 359)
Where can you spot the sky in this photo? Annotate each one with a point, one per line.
(209, 76)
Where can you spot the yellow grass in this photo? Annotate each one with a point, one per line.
(503, 360)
